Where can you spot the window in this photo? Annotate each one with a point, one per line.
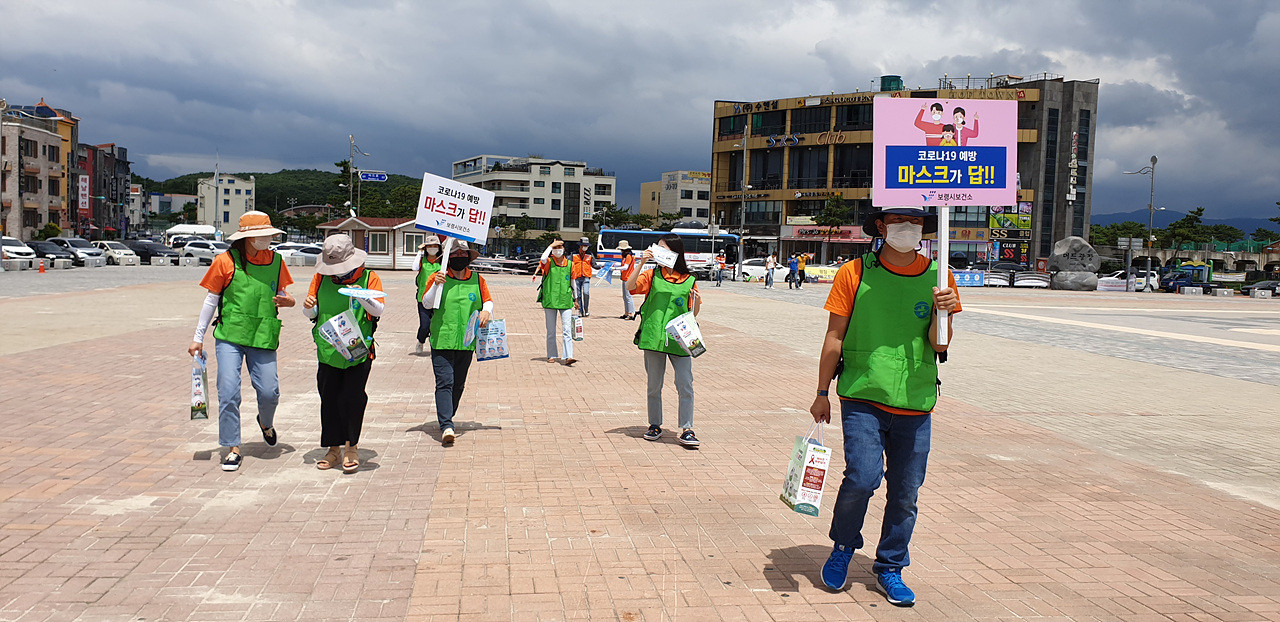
(808, 167)
(539, 184)
(226, 191)
(653, 196)
(809, 120)
(378, 242)
(1082, 135)
(604, 190)
(231, 180)
(704, 195)
(237, 191)
(704, 212)
(53, 153)
(544, 170)
(247, 191)
(766, 123)
(852, 166)
(970, 217)
(764, 212)
(412, 241)
(226, 216)
(226, 201)
(853, 117)
(686, 194)
(539, 201)
(686, 212)
(1050, 181)
(568, 172)
(766, 169)
(731, 126)
(555, 204)
(555, 187)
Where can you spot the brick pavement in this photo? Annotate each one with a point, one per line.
(550, 507)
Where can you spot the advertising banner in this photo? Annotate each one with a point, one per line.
(944, 151)
(454, 209)
(83, 201)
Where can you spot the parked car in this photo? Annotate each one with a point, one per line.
(309, 253)
(204, 250)
(1271, 286)
(50, 251)
(114, 251)
(13, 248)
(79, 247)
(753, 270)
(1007, 266)
(146, 249)
(288, 248)
(531, 261)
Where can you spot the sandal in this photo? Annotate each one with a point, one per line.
(568, 362)
(329, 459)
(351, 463)
(553, 360)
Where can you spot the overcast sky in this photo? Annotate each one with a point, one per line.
(629, 87)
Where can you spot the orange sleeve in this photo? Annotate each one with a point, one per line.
(484, 290)
(643, 282)
(375, 282)
(843, 288)
(314, 290)
(951, 277)
(286, 279)
(219, 274)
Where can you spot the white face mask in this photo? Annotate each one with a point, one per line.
(937, 116)
(558, 252)
(259, 243)
(433, 250)
(904, 237)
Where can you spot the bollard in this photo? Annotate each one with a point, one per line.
(1224, 292)
(128, 260)
(1260, 293)
(1191, 291)
(63, 264)
(159, 261)
(95, 262)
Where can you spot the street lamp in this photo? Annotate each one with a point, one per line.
(1149, 171)
(742, 211)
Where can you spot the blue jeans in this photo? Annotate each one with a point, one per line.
(424, 322)
(451, 368)
(768, 278)
(628, 303)
(266, 384)
(879, 445)
(563, 317)
(582, 293)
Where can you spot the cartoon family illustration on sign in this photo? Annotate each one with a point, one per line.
(939, 134)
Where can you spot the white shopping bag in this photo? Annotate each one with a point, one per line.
(577, 328)
(342, 332)
(491, 341)
(802, 489)
(684, 331)
(199, 380)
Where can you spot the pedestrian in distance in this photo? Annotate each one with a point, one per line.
(583, 270)
(557, 302)
(426, 264)
(341, 382)
(668, 293)
(719, 268)
(801, 262)
(246, 288)
(770, 264)
(883, 354)
(628, 266)
(792, 265)
(464, 293)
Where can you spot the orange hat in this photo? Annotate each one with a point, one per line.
(254, 224)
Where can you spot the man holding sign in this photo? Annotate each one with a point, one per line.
(459, 295)
(883, 333)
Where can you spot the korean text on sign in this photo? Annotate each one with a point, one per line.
(944, 167)
(454, 209)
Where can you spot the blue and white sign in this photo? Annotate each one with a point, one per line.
(969, 278)
(454, 209)
(373, 176)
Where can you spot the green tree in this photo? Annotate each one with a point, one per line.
(50, 230)
(1265, 234)
(1189, 228)
(836, 213)
(1224, 233)
(404, 201)
(1106, 235)
(189, 212)
(1276, 219)
(611, 217)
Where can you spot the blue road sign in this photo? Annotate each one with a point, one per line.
(372, 176)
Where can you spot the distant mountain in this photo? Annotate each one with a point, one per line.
(306, 186)
(1164, 218)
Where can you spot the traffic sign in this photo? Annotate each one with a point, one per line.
(373, 176)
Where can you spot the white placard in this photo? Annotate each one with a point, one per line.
(663, 256)
(454, 209)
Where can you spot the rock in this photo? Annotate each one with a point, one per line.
(1073, 254)
(1075, 281)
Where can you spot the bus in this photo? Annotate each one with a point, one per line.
(700, 248)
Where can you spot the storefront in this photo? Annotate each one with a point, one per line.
(825, 243)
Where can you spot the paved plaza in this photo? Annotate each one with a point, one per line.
(1095, 457)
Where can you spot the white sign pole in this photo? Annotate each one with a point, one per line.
(432, 297)
(944, 267)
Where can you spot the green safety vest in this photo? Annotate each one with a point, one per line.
(557, 286)
(247, 313)
(425, 270)
(330, 303)
(887, 356)
(458, 300)
(665, 302)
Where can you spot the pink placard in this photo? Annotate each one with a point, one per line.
(944, 151)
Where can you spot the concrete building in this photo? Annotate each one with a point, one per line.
(795, 152)
(32, 173)
(160, 203)
(687, 193)
(103, 190)
(67, 125)
(222, 200)
(559, 195)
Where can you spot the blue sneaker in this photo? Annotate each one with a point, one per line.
(897, 592)
(835, 573)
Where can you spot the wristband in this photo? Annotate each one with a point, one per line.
(823, 393)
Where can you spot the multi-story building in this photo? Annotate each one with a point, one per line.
(687, 193)
(32, 174)
(103, 190)
(797, 152)
(63, 198)
(559, 195)
(222, 200)
(161, 203)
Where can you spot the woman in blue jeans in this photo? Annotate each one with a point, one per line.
(246, 286)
